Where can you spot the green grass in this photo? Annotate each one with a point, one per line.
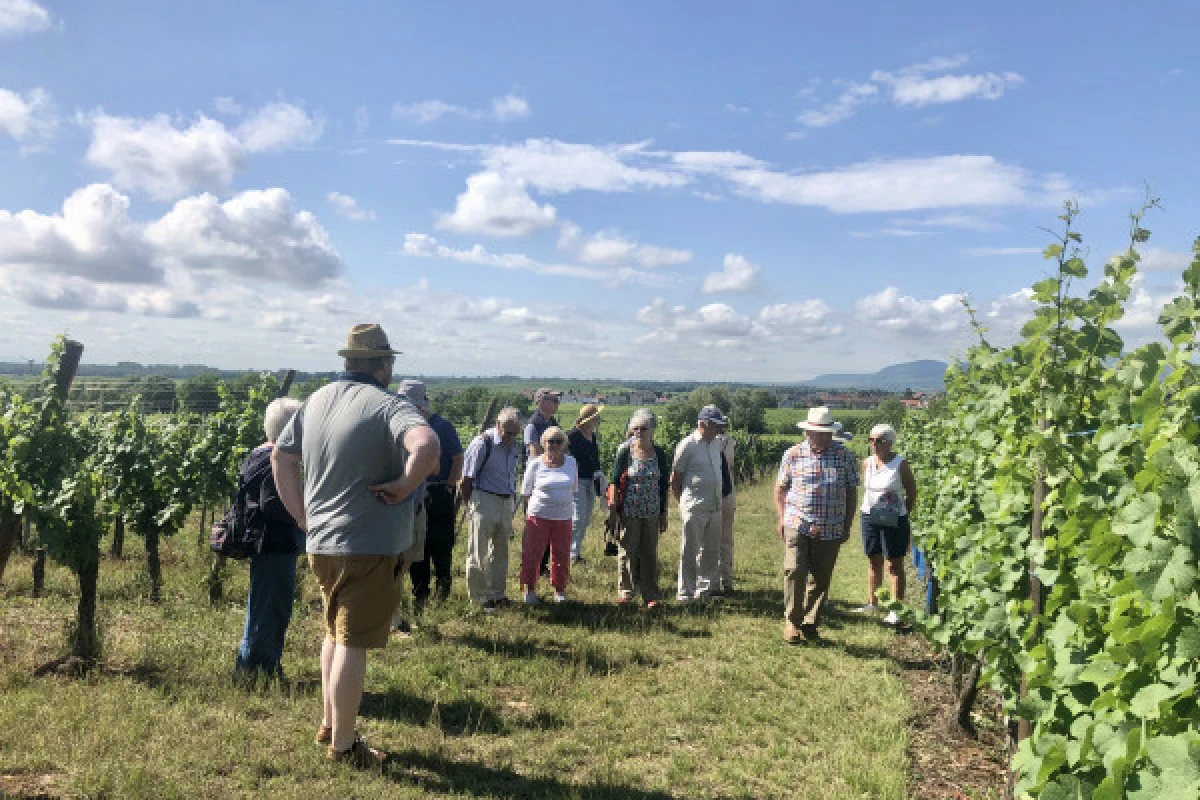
(581, 701)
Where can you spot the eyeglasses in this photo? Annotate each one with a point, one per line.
(556, 441)
(640, 428)
(877, 439)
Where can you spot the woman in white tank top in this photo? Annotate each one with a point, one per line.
(889, 494)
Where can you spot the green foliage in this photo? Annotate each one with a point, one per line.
(198, 394)
(744, 407)
(1110, 661)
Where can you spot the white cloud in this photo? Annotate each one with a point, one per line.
(608, 247)
(167, 161)
(27, 116)
(493, 205)
(912, 85)
(279, 126)
(854, 95)
(348, 207)
(1159, 258)
(78, 294)
(422, 245)
(891, 312)
(255, 235)
(738, 275)
(503, 109)
(535, 337)
(23, 16)
(1143, 310)
(807, 318)
(227, 105)
(718, 319)
(93, 237)
(555, 167)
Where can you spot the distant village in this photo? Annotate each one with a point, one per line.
(852, 399)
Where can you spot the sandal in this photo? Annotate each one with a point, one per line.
(324, 735)
(359, 755)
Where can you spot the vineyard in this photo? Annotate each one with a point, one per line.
(1061, 514)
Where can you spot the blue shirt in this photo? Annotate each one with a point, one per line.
(451, 446)
(499, 474)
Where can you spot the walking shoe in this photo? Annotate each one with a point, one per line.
(489, 606)
(531, 599)
(324, 735)
(360, 755)
(869, 608)
(610, 548)
(402, 627)
(810, 634)
(892, 619)
(503, 602)
(560, 597)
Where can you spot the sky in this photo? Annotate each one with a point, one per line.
(751, 192)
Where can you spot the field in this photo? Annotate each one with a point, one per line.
(578, 701)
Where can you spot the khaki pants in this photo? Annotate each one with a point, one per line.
(637, 559)
(803, 558)
(698, 553)
(725, 558)
(490, 522)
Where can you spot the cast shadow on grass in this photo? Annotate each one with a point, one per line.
(437, 774)
(593, 659)
(454, 718)
(598, 617)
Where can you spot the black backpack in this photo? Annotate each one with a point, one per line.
(239, 533)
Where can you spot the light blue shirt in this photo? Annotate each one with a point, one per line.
(499, 474)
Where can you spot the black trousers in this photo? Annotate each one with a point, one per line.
(439, 545)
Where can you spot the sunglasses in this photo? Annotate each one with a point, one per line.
(640, 428)
(556, 441)
(875, 439)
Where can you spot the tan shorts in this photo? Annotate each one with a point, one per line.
(360, 595)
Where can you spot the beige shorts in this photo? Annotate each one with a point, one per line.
(360, 594)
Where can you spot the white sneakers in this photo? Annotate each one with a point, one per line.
(892, 619)
(559, 597)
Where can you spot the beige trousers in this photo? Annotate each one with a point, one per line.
(725, 556)
(490, 526)
(803, 558)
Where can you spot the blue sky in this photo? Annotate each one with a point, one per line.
(636, 190)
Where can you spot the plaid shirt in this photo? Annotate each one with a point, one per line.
(817, 486)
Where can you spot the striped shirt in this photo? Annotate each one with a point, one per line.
(817, 485)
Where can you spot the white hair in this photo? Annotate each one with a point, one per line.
(278, 414)
(551, 432)
(884, 431)
(508, 414)
(643, 416)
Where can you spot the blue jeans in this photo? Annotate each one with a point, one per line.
(268, 611)
(585, 500)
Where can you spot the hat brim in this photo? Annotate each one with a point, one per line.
(348, 352)
(595, 415)
(808, 426)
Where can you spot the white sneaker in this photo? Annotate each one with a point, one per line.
(531, 599)
(559, 597)
(892, 619)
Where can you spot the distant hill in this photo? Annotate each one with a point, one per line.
(923, 375)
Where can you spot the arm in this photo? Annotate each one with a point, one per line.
(290, 484)
(851, 507)
(423, 449)
(781, 491)
(464, 490)
(910, 486)
(456, 469)
(529, 482)
(677, 485)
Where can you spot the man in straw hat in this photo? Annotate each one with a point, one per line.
(815, 497)
(364, 452)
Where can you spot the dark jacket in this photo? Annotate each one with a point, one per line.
(621, 463)
(263, 503)
(586, 452)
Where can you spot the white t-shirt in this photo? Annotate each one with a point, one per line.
(551, 490)
(883, 487)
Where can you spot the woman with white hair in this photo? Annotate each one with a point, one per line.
(641, 477)
(890, 493)
(548, 490)
(273, 568)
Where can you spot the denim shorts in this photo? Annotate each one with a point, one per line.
(888, 542)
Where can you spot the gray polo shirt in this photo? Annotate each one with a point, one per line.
(349, 436)
(699, 462)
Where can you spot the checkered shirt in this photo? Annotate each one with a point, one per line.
(817, 486)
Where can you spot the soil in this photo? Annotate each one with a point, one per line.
(944, 761)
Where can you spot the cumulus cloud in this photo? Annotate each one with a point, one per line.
(891, 312)
(493, 205)
(914, 86)
(502, 109)
(26, 117)
(738, 275)
(348, 207)
(23, 16)
(256, 234)
(807, 318)
(75, 294)
(421, 245)
(93, 237)
(608, 247)
(554, 167)
(1159, 258)
(167, 160)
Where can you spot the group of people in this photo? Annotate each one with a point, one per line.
(368, 482)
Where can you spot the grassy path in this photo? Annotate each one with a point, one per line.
(578, 701)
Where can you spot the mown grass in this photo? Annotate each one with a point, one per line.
(579, 701)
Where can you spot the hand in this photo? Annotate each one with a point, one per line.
(391, 492)
(781, 532)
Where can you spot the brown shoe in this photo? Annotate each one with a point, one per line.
(360, 755)
(791, 634)
(324, 735)
(809, 632)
